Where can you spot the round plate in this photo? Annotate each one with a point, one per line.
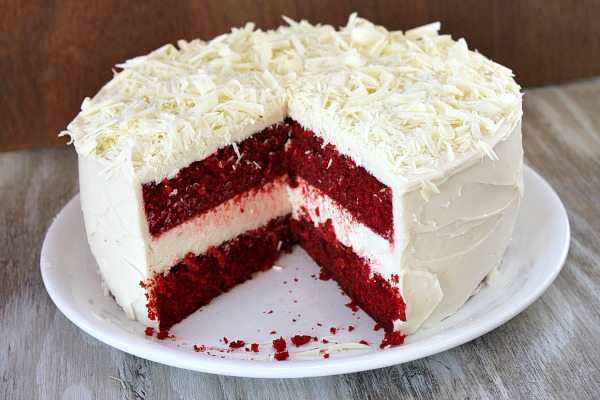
(290, 299)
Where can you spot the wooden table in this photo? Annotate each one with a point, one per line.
(551, 350)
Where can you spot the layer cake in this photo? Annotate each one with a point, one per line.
(393, 158)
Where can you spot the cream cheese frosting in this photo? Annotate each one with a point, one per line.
(436, 122)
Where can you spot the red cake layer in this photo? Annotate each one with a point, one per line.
(371, 292)
(199, 278)
(205, 184)
(336, 175)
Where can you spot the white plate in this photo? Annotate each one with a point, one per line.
(532, 262)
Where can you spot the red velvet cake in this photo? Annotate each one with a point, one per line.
(392, 158)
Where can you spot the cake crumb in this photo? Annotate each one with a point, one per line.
(282, 355)
(279, 344)
(164, 335)
(237, 344)
(324, 276)
(199, 349)
(392, 338)
(218, 255)
(300, 340)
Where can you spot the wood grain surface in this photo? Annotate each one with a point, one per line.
(54, 53)
(550, 351)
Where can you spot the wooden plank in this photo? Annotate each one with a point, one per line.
(54, 53)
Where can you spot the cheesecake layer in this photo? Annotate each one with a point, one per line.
(246, 211)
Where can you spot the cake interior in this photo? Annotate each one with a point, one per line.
(288, 151)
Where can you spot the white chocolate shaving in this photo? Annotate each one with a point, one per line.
(412, 101)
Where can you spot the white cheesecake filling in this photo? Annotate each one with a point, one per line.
(245, 212)
(319, 208)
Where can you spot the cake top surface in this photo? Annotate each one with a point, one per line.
(408, 102)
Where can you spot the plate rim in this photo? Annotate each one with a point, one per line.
(308, 368)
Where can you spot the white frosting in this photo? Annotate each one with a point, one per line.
(437, 123)
(461, 233)
(117, 232)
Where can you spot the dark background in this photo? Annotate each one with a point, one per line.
(54, 53)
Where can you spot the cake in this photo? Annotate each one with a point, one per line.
(394, 159)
